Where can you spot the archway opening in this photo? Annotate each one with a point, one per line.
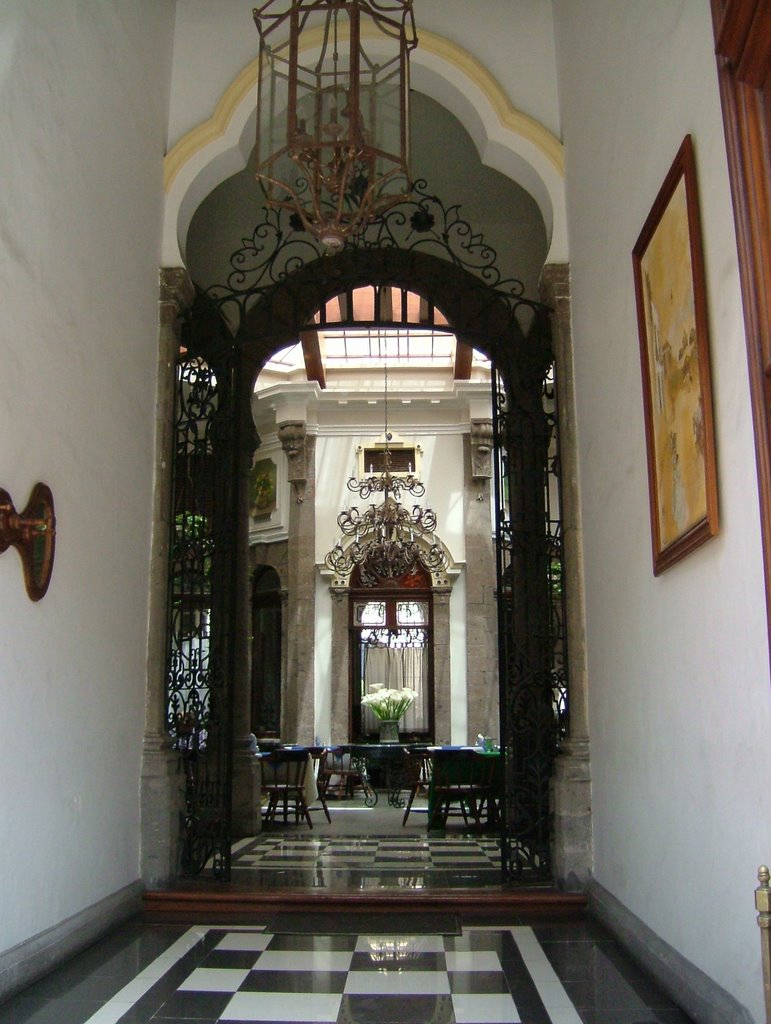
(514, 333)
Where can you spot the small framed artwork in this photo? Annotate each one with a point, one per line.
(674, 353)
(263, 488)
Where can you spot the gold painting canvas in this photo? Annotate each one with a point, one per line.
(674, 349)
(263, 488)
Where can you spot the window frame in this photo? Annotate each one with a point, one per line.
(416, 588)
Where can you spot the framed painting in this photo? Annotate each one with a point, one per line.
(263, 488)
(674, 353)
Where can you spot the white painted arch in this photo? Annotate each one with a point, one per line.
(506, 140)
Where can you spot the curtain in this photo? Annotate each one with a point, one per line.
(395, 668)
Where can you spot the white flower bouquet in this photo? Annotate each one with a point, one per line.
(387, 704)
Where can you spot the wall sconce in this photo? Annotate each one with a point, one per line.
(33, 534)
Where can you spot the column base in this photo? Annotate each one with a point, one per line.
(161, 802)
(247, 818)
(572, 808)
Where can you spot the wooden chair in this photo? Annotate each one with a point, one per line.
(341, 774)
(462, 783)
(283, 782)
(417, 777)
(319, 757)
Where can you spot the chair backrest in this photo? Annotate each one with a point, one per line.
(417, 767)
(454, 767)
(285, 767)
(337, 760)
(484, 770)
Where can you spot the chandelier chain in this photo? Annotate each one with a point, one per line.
(386, 541)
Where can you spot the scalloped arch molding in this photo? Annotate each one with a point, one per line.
(506, 139)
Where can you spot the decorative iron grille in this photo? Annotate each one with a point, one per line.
(198, 697)
(278, 248)
(531, 620)
(277, 279)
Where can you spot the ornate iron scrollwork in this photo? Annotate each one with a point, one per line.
(530, 619)
(264, 277)
(278, 247)
(197, 692)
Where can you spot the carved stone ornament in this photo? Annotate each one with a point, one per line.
(292, 438)
(481, 449)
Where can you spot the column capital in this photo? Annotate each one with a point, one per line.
(293, 437)
(175, 288)
(481, 435)
(555, 283)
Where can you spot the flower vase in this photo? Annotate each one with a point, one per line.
(389, 730)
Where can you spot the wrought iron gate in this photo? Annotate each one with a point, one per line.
(531, 619)
(200, 648)
(278, 279)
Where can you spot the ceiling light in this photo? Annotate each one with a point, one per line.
(332, 110)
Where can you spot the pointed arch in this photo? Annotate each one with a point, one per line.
(507, 140)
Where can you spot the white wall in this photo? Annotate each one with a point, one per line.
(680, 708)
(83, 100)
(514, 41)
(442, 474)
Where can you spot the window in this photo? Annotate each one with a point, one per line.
(266, 653)
(391, 646)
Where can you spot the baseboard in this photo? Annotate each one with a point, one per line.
(690, 988)
(29, 960)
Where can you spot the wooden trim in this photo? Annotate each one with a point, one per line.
(756, 57)
(314, 364)
(463, 356)
(742, 30)
(732, 26)
(229, 899)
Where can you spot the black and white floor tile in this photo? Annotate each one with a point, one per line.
(384, 860)
(253, 975)
(524, 974)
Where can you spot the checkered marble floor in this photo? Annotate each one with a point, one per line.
(377, 855)
(426, 971)
(482, 976)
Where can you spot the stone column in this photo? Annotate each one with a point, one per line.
(340, 653)
(572, 780)
(442, 699)
(245, 805)
(298, 706)
(160, 783)
(481, 611)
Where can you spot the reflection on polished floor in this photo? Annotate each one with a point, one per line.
(367, 848)
(530, 971)
(405, 962)
(402, 961)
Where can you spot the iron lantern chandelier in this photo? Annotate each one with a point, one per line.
(387, 540)
(332, 110)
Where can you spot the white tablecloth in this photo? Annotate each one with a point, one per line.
(310, 789)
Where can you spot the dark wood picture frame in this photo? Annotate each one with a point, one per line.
(674, 355)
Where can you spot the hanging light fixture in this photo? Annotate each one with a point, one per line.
(332, 110)
(387, 540)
